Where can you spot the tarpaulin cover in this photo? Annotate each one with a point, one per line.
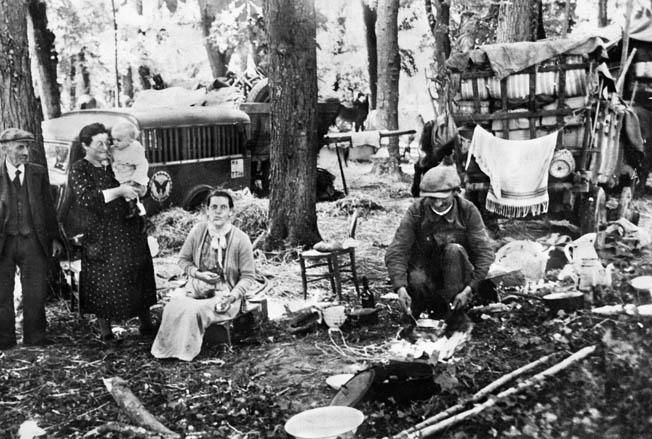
(640, 27)
(508, 58)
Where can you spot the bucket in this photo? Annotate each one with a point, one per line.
(332, 422)
(334, 316)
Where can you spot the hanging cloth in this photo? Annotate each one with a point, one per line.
(518, 171)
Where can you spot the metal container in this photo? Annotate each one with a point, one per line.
(567, 301)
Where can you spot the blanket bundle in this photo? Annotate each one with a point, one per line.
(518, 170)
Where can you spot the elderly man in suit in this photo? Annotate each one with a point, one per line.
(29, 235)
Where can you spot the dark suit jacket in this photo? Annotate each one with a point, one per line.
(40, 202)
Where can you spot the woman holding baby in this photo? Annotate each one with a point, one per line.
(117, 277)
(218, 259)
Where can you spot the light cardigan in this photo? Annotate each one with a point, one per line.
(239, 267)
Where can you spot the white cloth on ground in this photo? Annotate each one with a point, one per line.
(518, 171)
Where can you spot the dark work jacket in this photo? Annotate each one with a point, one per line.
(412, 245)
(44, 218)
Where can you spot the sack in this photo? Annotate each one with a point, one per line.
(444, 131)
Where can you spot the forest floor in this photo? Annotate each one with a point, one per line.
(251, 389)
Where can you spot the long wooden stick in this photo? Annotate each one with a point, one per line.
(135, 409)
(620, 82)
(476, 397)
(449, 422)
(625, 41)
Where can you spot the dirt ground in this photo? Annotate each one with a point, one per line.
(250, 389)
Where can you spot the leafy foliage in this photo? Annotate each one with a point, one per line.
(240, 29)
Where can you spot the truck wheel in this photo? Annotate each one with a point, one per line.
(593, 211)
(195, 199)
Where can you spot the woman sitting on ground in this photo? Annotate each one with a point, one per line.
(218, 259)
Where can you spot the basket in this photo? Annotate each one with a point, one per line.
(334, 316)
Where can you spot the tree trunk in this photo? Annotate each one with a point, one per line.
(217, 60)
(388, 77)
(369, 18)
(46, 60)
(71, 82)
(18, 104)
(83, 81)
(128, 86)
(603, 20)
(442, 49)
(144, 74)
(291, 28)
(517, 21)
(432, 22)
(540, 30)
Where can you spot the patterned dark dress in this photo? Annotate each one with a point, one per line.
(117, 277)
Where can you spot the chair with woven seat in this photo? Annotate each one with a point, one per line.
(337, 262)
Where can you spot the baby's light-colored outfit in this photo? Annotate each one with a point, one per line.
(130, 164)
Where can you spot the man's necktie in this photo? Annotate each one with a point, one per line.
(17, 179)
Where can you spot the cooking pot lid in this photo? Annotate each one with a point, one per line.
(355, 389)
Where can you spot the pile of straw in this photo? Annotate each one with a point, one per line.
(251, 215)
(171, 228)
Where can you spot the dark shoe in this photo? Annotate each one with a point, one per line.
(133, 213)
(132, 209)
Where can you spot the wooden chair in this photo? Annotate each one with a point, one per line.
(311, 259)
(250, 320)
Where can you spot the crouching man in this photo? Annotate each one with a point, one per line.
(441, 250)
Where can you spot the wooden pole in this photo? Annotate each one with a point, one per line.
(620, 82)
(476, 397)
(536, 379)
(115, 56)
(623, 55)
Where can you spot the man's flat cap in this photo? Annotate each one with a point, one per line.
(16, 135)
(439, 182)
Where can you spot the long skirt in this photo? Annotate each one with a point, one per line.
(184, 322)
